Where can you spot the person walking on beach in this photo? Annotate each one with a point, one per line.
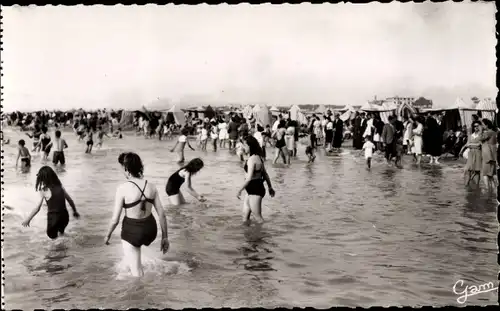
(60, 144)
(136, 197)
(175, 181)
(181, 143)
(54, 194)
(256, 174)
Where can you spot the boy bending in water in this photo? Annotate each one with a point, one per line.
(181, 142)
(60, 144)
(24, 155)
(54, 194)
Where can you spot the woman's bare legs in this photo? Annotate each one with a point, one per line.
(132, 256)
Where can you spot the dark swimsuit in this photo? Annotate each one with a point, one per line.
(141, 231)
(280, 143)
(36, 138)
(255, 186)
(57, 216)
(45, 142)
(174, 183)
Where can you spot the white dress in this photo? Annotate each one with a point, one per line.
(223, 131)
(417, 140)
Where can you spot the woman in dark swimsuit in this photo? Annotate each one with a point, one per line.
(44, 142)
(176, 180)
(281, 148)
(139, 225)
(256, 174)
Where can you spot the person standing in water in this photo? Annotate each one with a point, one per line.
(60, 145)
(24, 155)
(281, 148)
(256, 174)
(175, 181)
(54, 194)
(100, 136)
(181, 142)
(368, 147)
(139, 225)
(89, 140)
(45, 143)
(36, 138)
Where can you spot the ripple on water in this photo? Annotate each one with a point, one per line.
(336, 234)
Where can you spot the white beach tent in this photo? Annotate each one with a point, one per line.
(321, 109)
(487, 108)
(297, 114)
(247, 111)
(348, 113)
(262, 115)
(466, 110)
(178, 114)
(385, 110)
(274, 109)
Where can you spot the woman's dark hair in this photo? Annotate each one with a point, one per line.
(253, 146)
(282, 124)
(488, 124)
(44, 130)
(46, 177)
(21, 142)
(132, 164)
(194, 166)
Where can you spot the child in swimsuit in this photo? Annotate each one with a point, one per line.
(24, 155)
(368, 147)
(176, 180)
(36, 138)
(181, 142)
(54, 194)
(241, 150)
(204, 138)
(100, 136)
(81, 132)
(60, 145)
(118, 133)
(214, 135)
(89, 140)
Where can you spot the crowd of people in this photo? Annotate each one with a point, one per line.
(249, 141)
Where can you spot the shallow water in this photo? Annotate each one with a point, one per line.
(336, 234)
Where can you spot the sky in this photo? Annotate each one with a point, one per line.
(333, 54)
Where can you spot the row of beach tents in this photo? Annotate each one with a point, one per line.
(264, 115)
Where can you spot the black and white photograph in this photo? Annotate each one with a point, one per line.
(259, 156)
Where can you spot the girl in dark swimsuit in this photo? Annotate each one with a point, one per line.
(281, 148)
(256, 174)
(176, 180)
(54, 194)
(45, 143)
(139, 225)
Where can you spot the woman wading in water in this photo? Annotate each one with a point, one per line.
(136, 196)
(256, 174)
(175, 181)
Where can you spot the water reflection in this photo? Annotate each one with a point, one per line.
(256, 252)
